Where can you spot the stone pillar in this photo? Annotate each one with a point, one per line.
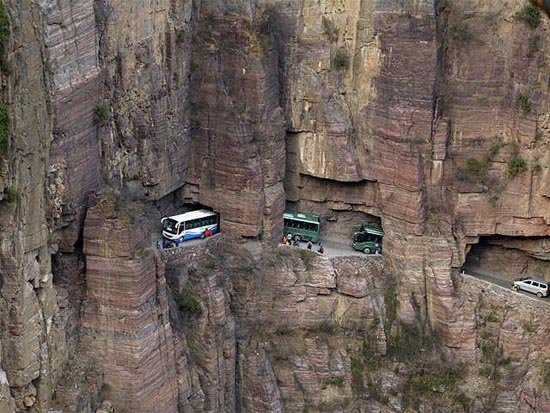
(125, 321)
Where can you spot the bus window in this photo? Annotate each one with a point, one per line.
(302, 226)
(189, 225)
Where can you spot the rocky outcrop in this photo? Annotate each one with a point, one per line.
(412, 112)
(507, 331)
(303, 318)
(205, 328)
(71, 39)
(125, 324)
(238, 126)
(33, 346)
(146, 144)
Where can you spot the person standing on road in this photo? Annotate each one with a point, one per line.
(320, 249)
(289, 238)
(309, 245)
(284, 240)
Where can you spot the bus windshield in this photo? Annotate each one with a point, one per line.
(169, 225)
(365, 236)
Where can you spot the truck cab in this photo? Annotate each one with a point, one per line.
(367, 238)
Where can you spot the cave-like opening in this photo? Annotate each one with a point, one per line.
(509, 257)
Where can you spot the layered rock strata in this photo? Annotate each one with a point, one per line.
(238, 160)
(33, 345)
(411, 111)
(125, 323)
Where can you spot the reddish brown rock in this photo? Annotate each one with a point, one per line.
(238, 137)
(125, 320)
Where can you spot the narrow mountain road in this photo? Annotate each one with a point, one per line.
(335, 248)
(500, 281)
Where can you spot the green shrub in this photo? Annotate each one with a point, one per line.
(11, 195)
(102, 113)
(523, 103)
(516, 165)
(4, 35)
(4, 130)
(180, 35)
(529, 14)
(330, 29)
(356, 366)
(336, 381)
(494, 150)
(188, 304)
(432, 380)
(409, 343)
(341, 59)
(475, 166)
(196, 121)
(194, 66)
(460, 32)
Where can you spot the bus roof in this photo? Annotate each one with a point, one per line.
(201, 213)
(371, 229)
(301, 217)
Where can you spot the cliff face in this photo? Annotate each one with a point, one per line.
(33, 343)
(410, 112)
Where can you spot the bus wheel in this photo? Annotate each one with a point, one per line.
(203, 235)
(367, 250)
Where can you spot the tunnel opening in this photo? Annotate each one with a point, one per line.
(336, 225)
(508, 257)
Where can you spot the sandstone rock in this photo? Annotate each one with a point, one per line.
(240, 171)
(125, 318)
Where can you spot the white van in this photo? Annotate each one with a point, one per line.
(532, 285)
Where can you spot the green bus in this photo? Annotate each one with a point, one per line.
(368, 238)
(301, 226)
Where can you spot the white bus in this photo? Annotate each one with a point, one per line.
(190, 225)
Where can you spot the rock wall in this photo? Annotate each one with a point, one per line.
(71, 38)
(411, 111)
(310, 332)
(125, 324)
(276, 327)
(423, 126)
(32, 338)
(238, 159)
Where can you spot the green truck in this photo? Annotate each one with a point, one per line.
(367, 238)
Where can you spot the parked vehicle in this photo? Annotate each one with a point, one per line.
(194, 224)
(301, 226)
(532, 285)
(368, 238)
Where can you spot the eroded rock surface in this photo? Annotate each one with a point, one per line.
(125, 323)
(428, 115)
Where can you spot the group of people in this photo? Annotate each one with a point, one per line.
(176, 243)
(167, 244)
(290, 240)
